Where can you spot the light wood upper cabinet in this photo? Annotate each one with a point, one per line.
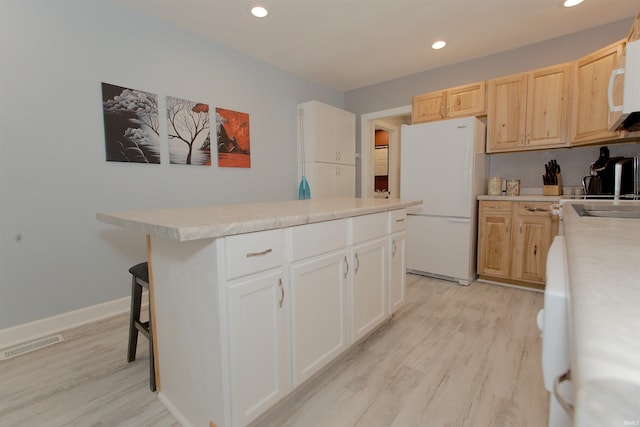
(634, 33)
(529, 111)
(590, 123)
(461, 101)
(507, 113)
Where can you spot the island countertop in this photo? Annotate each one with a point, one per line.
(183, 224)
(603, 257)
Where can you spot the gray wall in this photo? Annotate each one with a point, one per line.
(54, 256)
(528, 167)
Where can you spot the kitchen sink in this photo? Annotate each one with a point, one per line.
(608, 211)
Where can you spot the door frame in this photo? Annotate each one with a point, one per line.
(367, 138)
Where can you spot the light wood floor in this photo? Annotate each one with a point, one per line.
(452, 356)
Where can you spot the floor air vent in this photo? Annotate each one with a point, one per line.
(29, 347)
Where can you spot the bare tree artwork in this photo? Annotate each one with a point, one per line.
(188, 124)
(131, 125)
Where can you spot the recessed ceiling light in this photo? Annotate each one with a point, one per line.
(571, 3)
(439, 44)
(259, 11)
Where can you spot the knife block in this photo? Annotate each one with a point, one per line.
(553, 190)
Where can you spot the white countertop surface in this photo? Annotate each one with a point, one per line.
(603, 256)
(217, 221)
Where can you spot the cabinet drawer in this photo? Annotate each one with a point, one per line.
(491, 206)
(253, 252)
(397, 220)
(367, 227)
(319, 238)
(533, 208)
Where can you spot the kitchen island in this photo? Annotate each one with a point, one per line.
(603, 257)
(249, 302)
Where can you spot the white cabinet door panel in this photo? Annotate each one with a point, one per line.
(259, 345)
(318, 313)
(368, 287)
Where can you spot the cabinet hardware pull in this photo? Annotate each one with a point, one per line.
(357, 267)
(393, 244)
(346, 267)
(266, 251)
(508, 225)
(568, 407)
(400, 220)
(281, 292)
(536, 209)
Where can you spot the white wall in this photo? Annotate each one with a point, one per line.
(54, 256)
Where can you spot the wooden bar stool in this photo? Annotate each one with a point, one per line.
(140, 279)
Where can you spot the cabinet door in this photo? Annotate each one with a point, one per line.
(259, 345)
(397, 273)
(368, 287)
(467, 100)
(506, 113)
(322, 124)
(548, 107)
(429, 107)
(318, 313)
(494, 239)
(344, 137)
(590, 107)
(532, 238)
(344, 184)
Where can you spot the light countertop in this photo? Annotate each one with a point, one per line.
(218, 221)
(603, 256)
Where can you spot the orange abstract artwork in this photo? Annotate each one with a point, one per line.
(232, 129)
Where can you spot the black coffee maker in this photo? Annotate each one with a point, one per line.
(601, 178)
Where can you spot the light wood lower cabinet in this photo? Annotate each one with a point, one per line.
(513, 241)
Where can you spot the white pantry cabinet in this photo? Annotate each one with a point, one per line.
(327, 149)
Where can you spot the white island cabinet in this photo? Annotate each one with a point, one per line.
(250, 301)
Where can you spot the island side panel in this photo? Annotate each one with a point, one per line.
(152, 316)
(188, 338)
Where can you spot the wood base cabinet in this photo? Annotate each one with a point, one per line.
(513, 241)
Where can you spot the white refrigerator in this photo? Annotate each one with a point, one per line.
(444, 165)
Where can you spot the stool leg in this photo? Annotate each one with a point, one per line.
(136, 297)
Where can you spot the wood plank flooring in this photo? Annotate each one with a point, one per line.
(451, 356)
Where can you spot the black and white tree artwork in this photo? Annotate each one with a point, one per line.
(188, 129)
(130, 125)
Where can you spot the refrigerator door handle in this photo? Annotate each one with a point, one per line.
(461, 220)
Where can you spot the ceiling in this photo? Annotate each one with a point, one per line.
(348, 44)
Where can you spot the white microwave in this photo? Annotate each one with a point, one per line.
(626, 115)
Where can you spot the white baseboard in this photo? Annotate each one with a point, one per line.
(31, 331)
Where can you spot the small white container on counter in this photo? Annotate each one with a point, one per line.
(513, 187)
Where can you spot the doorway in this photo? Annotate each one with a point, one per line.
(372, 158)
